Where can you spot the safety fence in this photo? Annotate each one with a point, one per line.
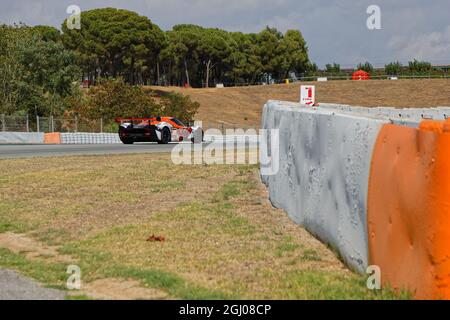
(74, 125)
(329, 76)
(373, 185)
(53, 124)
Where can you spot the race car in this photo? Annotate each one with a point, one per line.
(162, 130)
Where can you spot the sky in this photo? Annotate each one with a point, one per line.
(335, 30)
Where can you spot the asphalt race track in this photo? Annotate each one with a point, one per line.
(30, 151)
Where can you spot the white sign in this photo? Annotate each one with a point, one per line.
(308, 95)
(323, 79)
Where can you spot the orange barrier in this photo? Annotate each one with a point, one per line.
(52, 138)
(409, 208)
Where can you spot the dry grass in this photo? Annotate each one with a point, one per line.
(223, 239)
(79, 196)
(242, 106)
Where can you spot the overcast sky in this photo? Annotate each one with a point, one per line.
(335, 30)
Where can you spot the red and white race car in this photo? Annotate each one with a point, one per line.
(162, 130)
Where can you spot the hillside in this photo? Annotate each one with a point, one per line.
(242, 105)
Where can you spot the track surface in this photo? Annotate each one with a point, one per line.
(29, 151)
(16, 287)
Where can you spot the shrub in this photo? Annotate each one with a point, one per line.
(178, 106)
(420, 67)
(113, 98)
(394, 68)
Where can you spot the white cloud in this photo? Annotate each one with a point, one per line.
(433, 46)
(335, 30)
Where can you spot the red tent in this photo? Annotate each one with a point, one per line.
(361, 75)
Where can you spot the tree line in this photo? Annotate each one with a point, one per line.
(414, 67)
(114, 42)
(41, 67)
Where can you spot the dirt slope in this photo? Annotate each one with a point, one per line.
(242, 106)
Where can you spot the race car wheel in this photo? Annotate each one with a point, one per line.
(123, 137)
(165, 136)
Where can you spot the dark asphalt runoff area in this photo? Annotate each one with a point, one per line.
(30, 151)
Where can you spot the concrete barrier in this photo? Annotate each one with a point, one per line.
(21, 138)
(52, 138)
(324, 173)
(416, 114)
(90, 138)
(409, 208)
(372, 183)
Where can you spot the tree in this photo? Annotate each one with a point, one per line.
(52, 69)
(47, 33)
(36, 73)
(393, 68)
(13, 40)
(294, 53)
(244, 63)
(269, 50)
(333, 68)
(116, 42)
(367, 67)
(420, 67)
(312, 67)
(213, 49)
(185, 39)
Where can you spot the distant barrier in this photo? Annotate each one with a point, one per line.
(374, 184)
(21, 138)
(90, 138)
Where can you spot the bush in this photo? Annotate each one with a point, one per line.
(420, 67)
(113, 98)
(179, 106)
(394, 68)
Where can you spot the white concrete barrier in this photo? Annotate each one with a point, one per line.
(324, 166)
(21, 138)
(90, 138)
(417, 114)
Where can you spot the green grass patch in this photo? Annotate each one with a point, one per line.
(310, 255)
(51, 274)
(321, 285)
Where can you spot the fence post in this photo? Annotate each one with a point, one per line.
(3, 123)
(28, 123)
(76, 124)
(38, 129)
(52, 124)
(101, 125)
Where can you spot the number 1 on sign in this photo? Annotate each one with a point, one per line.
(307, 95)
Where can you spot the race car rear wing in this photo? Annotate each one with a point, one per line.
(132, 119)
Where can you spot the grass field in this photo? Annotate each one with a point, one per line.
(242, 106)
(222, 238)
